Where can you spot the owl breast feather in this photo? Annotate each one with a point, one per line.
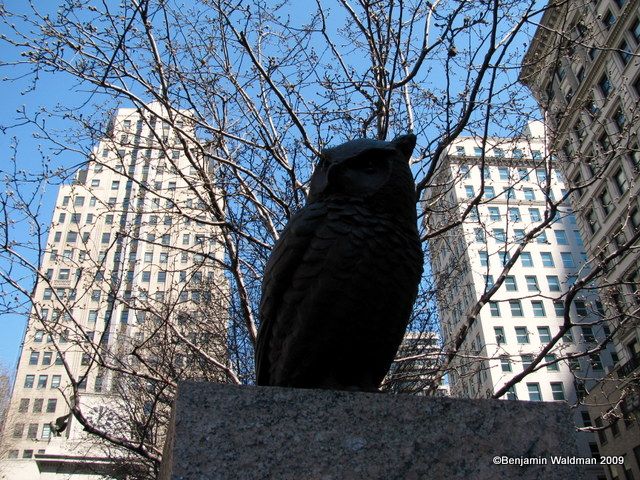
(337, 296)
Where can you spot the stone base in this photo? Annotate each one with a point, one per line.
(242, 432)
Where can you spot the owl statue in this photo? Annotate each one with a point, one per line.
(339, 287)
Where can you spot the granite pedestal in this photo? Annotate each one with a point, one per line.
(230, 432)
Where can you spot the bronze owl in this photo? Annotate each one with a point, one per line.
(339, 287)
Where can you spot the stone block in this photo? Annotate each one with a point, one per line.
(230, 432)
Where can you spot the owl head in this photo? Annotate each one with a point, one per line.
(362, 168)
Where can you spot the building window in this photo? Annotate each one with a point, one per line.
(527, 259)
(605, 86)
(557, 390)
(620, 180)
(596, 362)
(624, 52)
(460, 151)
(602, 435)
(469, 191)
(516, 308)
(37, 405)
(32, 432)
(545, 334)
(42, 381)
(514, 214)
(72, 237)
(55, 381)
(554, 283)
(551, 360)
(542, 237)
(24, 405)
(505, 364)
(494, 213)
(619, 119)
(587, 334)
(495, 309)
(510, 282)
(511, 393)
(479, 235)
(538, 308)
(526, 361)
(488, 281)
(489, 192)
(499, 334)
(499, 235)
(484, 258)
(561, 237)
(522, 335)
(46, 358)
(608, 19)
(503, 172)
(567, 259)
(162, 276)
(534, 392)
(547, 259)
(532, 283)
(592, 220)
(529, 194)
(34, 358)
(28, 381)
(605, 202)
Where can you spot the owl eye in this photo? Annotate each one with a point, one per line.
(366, 164)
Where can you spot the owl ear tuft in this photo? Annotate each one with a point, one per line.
(319, 181)
(406, 144)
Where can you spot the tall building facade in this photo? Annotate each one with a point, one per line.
(498, 192)
(129, 298)
(583, 67)
(416, 365)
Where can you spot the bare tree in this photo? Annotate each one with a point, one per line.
(266, 88)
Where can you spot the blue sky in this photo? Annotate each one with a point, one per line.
(51, 91)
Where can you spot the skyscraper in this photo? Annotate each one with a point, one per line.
(501, 192)
(129, 298)
(583, 68)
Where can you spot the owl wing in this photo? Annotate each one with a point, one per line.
(285, 258)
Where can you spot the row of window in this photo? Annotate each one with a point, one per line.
(537, 306)
(69, 254)
(511, 284)
(526, 360)
(514, 214)
(32, 431)
(526, 258)
(535, 394)
(489, 192)
(539, 311)
(47, 357)
(523, 335)
(43, 381)
(497, 152)
(27, 453)
(37, 405)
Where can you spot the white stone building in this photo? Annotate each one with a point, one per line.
(511, 182)
(129, 264)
